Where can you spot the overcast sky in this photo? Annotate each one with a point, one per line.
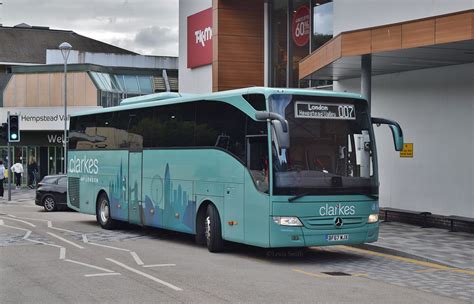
(148, 27)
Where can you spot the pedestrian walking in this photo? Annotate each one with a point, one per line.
(32, 172)
(2, 177)
(17, 169)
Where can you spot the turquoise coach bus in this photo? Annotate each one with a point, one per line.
(261, 166)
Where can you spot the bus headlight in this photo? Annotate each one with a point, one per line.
(373, 218)
(287, 221)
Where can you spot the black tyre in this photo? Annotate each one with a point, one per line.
(103, 213)
(200, 236)
(213, 231)
(49, 203)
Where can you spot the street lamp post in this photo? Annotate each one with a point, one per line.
(65, 49)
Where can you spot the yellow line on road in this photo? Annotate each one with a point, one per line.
(312, 274)
(397, 258)
(432, 266)
(463, 271)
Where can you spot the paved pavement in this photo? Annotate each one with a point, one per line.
(409, 265)
(454, 249)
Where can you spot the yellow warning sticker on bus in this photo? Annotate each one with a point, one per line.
(407, 150)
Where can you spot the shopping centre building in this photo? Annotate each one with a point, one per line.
(99, 75)
(414, 61)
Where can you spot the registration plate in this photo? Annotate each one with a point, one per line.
(337, 237)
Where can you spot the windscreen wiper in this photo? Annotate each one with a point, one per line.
(297, 197)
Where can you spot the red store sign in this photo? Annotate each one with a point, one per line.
(200, 39)
(300, 26)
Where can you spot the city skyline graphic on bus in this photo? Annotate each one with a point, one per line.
(177, 210)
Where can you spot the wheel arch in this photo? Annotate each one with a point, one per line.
(202, 207)
(45, 195)
(101, 191)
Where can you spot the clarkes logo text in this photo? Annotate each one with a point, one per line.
(84, 165)
(336, 210)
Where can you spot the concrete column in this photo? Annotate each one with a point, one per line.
(267, 12)
(366, 78)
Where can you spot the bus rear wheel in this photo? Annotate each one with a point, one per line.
(103, 213)
(212, 230)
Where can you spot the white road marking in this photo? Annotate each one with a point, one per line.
(136, 258)
(43, 243)
(17, 228)
(133, 253)
(25, 206)
(65, 240)
(110, 247)
(65, 230)
(27, 218)
(27, 234)
(50, 223)
(17, 220)
(145, 275)
(62, 253)
(159, 265)
(88, 265)
(101, 274)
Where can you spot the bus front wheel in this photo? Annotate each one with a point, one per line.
(212, 230)
(103, 213)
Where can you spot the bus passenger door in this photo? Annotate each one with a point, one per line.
(135, 209)
(234, 212)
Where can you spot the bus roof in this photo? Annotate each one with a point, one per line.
(172, 98)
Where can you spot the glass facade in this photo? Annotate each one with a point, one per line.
(114, 88)
(322, 23)
(297, 28)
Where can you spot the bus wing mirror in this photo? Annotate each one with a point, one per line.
(264, 115)
(396, 131)
(282, 136)
(279, 124)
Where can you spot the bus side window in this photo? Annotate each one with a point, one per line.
(82, 133)
(173, 125)
(257, 153)
(121, 135)
(105, 137)
(221, 125)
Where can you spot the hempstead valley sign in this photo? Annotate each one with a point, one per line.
(40, 119)
(200, 39)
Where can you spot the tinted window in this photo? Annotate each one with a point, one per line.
(220, 125)
(82, 132)
(130, 131)
(62, 181)
(257, 101)
(105, 137)
(174, 125)
(257, 153)
(49, 180)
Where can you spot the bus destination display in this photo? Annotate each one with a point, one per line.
(324, 111)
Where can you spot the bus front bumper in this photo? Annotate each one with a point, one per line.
(288, 236)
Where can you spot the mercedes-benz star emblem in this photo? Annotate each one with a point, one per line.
(338, 222)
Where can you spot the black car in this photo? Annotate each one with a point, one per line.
(51, 192)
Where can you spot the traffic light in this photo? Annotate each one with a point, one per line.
(4, 131)
(13, 129)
